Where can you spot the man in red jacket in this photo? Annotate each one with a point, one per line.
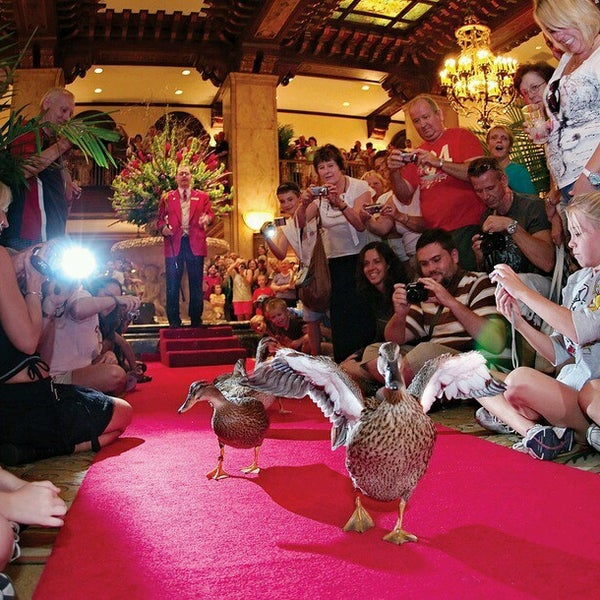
(184, 216)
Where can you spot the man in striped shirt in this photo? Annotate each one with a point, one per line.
(458, 315)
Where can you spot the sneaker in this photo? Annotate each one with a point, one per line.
(16, 553)
(492, 423)
(520, 446)
(546, 442)
(7, 591)
(593, 437)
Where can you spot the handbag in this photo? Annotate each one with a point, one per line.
(315, 290)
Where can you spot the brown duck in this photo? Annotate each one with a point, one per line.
(238, 421)
(388, 442)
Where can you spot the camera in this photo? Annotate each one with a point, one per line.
(270, 229)
(133, 315)
(319, 190)
(492, 242)
(373, 209)
(409, 157)
(65, 263)
(40, 265)
(416, 292)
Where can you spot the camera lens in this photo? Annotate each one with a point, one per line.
(416, 292)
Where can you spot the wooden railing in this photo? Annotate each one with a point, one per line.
(88, 173)
(303, 173)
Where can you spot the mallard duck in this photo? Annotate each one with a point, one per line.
(238, 421)
(231, 386)
(388, 442)
(454, 377)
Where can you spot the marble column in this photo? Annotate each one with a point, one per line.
(250, 126)
(30, 87)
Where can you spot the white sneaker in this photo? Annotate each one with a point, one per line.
(593, 437)
(490, 422)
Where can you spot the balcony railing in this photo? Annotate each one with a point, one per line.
(303, 173)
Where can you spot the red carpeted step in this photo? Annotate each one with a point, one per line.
(190, 358)
(196, 332)
(199, 343)
(191, 346)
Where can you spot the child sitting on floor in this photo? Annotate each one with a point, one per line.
(287, 328)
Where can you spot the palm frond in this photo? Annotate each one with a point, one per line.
(88, 134)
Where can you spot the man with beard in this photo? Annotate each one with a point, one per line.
(456, 311)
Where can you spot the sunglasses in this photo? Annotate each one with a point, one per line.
(553, 96)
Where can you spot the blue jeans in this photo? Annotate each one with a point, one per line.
(173, 271)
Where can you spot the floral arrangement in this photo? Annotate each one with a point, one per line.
(150, 174)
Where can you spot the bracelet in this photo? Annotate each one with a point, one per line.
(34, 294)
(441, 163)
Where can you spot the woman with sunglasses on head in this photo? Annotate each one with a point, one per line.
(572, 97)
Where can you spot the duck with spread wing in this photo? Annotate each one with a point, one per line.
(389, 440)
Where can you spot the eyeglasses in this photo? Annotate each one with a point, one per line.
(532, 89)
(553, 96)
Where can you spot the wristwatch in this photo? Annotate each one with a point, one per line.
(593, 177)
(512, 228)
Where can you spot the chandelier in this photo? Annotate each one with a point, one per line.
(478, 83)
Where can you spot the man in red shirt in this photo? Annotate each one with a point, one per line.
(438, 167)
(39, 212)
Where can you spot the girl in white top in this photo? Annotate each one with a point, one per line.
(532, 396)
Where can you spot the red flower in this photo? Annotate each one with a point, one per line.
(179, 156)
(167, 148)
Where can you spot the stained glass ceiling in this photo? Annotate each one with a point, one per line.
(389, 14)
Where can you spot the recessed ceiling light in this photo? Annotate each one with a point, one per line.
(178, 92)
(365, 88)
(186, 72)
(98, 91)
(98, 70)
(345, 103)
(538, 47)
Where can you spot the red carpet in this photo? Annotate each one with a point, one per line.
(147, 524)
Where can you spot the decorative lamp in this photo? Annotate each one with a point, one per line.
(255, 219)
(478, 83)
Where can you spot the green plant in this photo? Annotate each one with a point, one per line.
(86, 133)
(524, 151)
(147, 176)
(285, 133)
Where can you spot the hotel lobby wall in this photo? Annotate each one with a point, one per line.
(338, 130)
